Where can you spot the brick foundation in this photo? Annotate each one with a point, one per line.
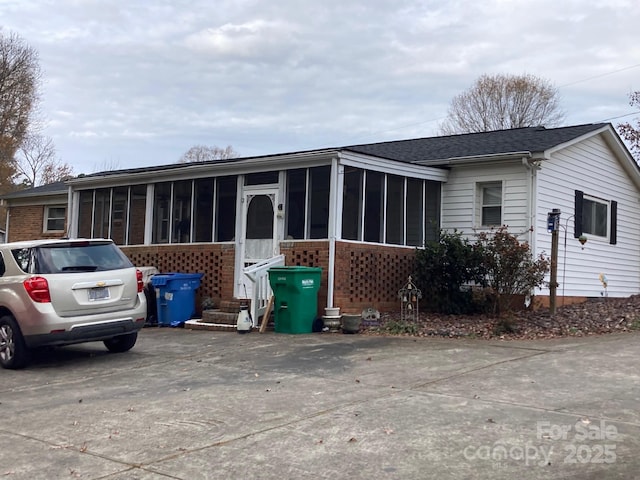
(366, 275)
(370, 276)
(216, 261)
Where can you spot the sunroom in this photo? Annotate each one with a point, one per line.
(356, 216)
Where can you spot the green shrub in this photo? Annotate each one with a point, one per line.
(442, 268)
(457, 276)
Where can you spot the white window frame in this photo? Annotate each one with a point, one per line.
(480, 189)
(48, 217)
(585, 201)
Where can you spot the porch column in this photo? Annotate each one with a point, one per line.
(335, 207)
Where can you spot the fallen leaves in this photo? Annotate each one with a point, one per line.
(593, 317)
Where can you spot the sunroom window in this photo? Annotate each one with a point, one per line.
(378, 207)
(307, 205)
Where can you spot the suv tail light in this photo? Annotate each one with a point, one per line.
(139, 278)
(38, 289)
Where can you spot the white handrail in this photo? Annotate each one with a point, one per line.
(258, 273)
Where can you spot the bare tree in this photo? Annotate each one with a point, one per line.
(631, 133)
(107, 165)
(37, 162)
(55, 172)
(19, 82)
(203, 153)
(498, 102)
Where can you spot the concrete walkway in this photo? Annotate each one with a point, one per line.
(197, 405)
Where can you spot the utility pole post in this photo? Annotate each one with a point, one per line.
(553, 224)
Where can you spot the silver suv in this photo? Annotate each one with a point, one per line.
(60, 292)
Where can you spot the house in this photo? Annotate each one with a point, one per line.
(39, 212)
(360, 211)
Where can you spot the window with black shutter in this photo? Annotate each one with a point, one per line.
(595, 217)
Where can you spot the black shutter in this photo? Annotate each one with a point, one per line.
(613, 233)
(577, 217)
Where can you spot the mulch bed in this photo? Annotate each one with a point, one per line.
(594, 317)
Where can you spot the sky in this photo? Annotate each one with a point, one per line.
(134, 83)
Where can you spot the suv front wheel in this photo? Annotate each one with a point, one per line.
(13, 351)
(121, 343)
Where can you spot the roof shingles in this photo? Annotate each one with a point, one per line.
(529, 139)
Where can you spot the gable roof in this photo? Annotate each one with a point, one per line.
(429, 150)
(499, 142)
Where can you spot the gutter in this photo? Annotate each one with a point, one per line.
(193, 170)
(473, 158)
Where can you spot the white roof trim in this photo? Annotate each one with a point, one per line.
(370, 162)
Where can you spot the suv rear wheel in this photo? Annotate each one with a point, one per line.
(121, 343)
(13, 351)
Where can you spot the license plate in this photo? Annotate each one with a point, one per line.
(98, 293)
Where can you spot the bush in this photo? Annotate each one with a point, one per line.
(457, 276)
(443, 267)
(509, 268)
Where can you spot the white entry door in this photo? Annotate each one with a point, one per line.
(259, 233)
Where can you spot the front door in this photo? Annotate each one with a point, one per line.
(259, 233)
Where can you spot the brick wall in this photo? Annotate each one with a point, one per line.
(370, 276)
(216, 261)
(26, 223)
(310, 254)
(365, 275)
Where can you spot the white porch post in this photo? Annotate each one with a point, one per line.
(335, 207)
(73, 206)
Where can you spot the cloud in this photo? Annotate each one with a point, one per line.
(143, 81)
(255, 40)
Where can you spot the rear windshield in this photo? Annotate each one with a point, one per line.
(71, 257)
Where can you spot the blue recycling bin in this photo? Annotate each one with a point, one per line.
(175, 297)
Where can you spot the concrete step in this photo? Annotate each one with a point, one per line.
(224, 318)
(233, 305)
(199, 324)
(220, 317)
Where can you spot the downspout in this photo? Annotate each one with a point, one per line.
(333, 228)
(7, 214)
(532, 165)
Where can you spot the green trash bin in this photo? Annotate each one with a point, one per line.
(296, 297)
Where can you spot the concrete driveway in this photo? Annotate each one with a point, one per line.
(197, 405)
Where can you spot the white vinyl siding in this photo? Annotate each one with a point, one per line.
(462, 202)
(590, 167)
